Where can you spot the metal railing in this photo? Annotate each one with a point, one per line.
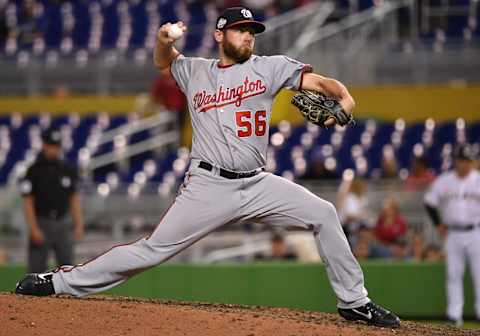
(359, 25)
(157, 141)
(247, 249)
(282, 32)
(119, 217)
(308, 34)
(352, 46)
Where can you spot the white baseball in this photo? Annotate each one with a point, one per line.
(175, 31)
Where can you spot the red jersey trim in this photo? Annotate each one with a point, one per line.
(67, 269)
(225, 66)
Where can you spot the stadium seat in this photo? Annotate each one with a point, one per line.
(77, 133)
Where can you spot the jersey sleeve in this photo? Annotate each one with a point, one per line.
(287, 73)
(181, 68)
(432, 196)
(27, 183)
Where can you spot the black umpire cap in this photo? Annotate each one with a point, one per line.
(51, 137)
(464, 152)
(235, 16)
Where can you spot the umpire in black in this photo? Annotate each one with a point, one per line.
(49, 192)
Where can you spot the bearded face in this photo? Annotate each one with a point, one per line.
(238, 45)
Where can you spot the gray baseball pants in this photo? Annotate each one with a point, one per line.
(208, 201)
(58, 238)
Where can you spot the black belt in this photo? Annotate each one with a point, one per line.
(229, 174)
(52, 215)
(469, 227)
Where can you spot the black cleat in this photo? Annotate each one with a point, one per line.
(455, 323)
(372, 314)
(38, 284)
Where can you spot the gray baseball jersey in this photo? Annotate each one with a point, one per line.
(230, 109)
(231, 106)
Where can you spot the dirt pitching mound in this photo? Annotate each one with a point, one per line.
(98, 316)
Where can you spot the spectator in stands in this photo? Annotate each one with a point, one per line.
(31, 24)
(366, 246)
(417, 246)
(400, 248)
(361, 250)
(318, 170)
(165, 95)
(390, 224)
(49, 191)
(432, 253)
(353, 208)
(3, 256)
(279, 250)
(419, 177)
(389, 166)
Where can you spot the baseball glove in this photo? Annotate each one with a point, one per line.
(317, 108)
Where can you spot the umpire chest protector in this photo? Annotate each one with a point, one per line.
(51, 183)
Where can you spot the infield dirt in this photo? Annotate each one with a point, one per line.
(99, 316)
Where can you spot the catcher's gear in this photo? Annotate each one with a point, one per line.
(318, 108)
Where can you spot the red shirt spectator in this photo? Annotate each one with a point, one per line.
(166, 92)
(420, 176)
(390, 224)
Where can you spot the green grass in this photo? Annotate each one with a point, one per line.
(471, 325)
(466, 325)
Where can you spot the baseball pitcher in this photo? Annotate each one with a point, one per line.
(230, 104)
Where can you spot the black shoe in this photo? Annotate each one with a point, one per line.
(372, 314)
(455, 323)
(38, 284)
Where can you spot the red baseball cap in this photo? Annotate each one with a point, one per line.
(234, 16)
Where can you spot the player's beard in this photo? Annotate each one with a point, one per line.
(238, 54)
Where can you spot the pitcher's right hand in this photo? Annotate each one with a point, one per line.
(162, 34)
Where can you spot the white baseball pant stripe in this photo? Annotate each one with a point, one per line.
(208, 201)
